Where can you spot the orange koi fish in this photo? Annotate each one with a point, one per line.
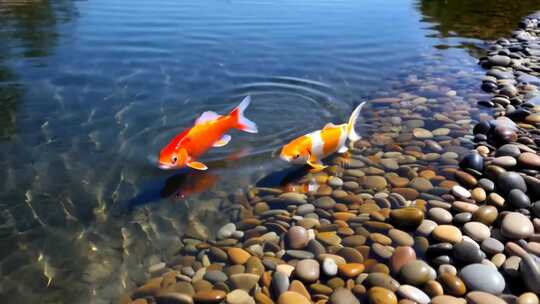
(313, 147)
(209, 131)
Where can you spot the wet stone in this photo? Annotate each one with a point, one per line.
(325, 202)
(416, 272)
(518, 199)
(477, 231)
(298, 237)
(516, 226)
(379, 295)
(343, 296)
(468, 252)
(447, 233)
(209, 296)
(239, 296)
(492, 246)
(511, 180)
(414, 294)
(407, 218)
(292, 297)
(480, 277)
(308, 270)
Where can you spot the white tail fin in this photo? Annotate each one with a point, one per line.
(244, 124)
(352, 135)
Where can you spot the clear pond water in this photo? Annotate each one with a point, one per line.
(91, 90)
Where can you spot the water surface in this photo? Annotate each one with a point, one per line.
(91, 90)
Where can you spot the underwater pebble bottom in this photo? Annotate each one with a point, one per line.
(468, 263)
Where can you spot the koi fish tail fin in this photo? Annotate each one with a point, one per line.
(242, 122)
(352, 135)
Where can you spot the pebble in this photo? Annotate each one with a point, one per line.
(461, 192)
(292, 297)
(414, 294)
(452, 284)
(421, 133)
(480, 277)
(343, 296)
(239, 296)
(298, 237)
(245, 281)
(477, 231)
(238, 255)
(416, 272)
(518, 199)
(209, 296)
(478, 297)
(529, 160)
(329, 266)
(308, 270)
(440, 215)
(280, 282)
(528, 298)
(468, 252)
(447, 233)
(380, 295)
(401, 256)
(351, 270)
(516, 226)
(226, 231)
(407, 218)
(511, 180)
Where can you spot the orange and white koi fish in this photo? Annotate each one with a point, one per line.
(313, 147)
(209, 131)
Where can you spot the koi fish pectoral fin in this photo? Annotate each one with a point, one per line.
(343, 149)
(316, 164)
(223, 141)
(197, 165)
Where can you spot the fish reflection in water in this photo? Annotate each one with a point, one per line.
(183, 185)
(290, 179)
(176, 188)
(185, 182)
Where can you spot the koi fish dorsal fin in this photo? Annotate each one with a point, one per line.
(207, 116)
(329, 125)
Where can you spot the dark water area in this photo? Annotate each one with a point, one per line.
(91, 90)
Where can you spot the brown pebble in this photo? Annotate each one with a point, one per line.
(452, 284)
(433, 288)
(209, 296)
(379, 295)
(238, 255)
(289, 297)
(351, 270)
(401, 256)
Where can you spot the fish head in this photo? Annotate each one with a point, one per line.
(173, 158)
(294, 154)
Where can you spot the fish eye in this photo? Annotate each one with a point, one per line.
(297, 156)
(174, 159)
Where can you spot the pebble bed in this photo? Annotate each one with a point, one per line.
(441, 208)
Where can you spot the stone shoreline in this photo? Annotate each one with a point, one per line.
(426, 208)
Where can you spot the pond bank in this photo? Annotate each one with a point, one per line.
(438, 208)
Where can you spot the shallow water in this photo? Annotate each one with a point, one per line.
(91, 90)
